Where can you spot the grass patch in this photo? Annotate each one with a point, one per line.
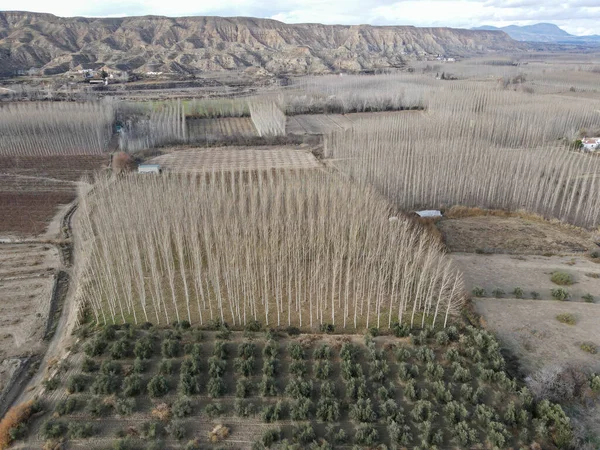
(561, 278)
(589, 347)
(567, 318)
(560, 294)
(588, 298)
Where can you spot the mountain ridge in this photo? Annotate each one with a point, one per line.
(541, 32)
(207, 43)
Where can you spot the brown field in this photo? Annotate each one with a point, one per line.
(32, 189)
(237, 158)
(513, 235)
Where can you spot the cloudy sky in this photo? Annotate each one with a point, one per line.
(575, 16)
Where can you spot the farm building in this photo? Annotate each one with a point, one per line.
(590, 144)
(149, 168)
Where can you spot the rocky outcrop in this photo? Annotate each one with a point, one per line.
(195, 44)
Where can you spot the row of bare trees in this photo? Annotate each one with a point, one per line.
(478, 148)
(267, 117)
(291, 248)
(60, 128)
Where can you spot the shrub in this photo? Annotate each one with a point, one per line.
(328, 409)
(158, 386)
(518, 292)
(215, 387)
(301, 409)
(220, 350)
(498, 293)
(298, 368)
(106, 384)
(298, 388)
(244, 366)
(589, 347)
(479, 292)
(253, 326)
(271, 349)
(216, 366)
(132, 385)
(66, 406)
(595, 383)
(322, 369)
(77, 383)
(95, 347)
(123, 444)
(561, 278)
(400, 330)
(166, 367)
(53, 429)
(162, 412)
(242, 388)
(560, 294)
(362, 411)
(323, 351)
(151, 430)
(110, 368)
(52, 384)
(268, 386)
(170, 348)
(366, 434)
(125, 406)
(243, 408)
(213, 410)
(567, 318)
(97, 407)
(78, 430)
(270, 436)
(89, 365)
(296, 351)
(15, 419)
(534, 295)
(272, 413)
(182, 407)
(177, 430)
(269, 367)
(218, 433)
(193, 445)
(304, 433)
(588, 298)
(247, 350)
(120, 349)
(139, 365)
(327, 328)
(144, 348)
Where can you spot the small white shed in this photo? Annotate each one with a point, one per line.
(149, 168)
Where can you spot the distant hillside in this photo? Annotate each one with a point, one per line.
(542, 32)
(193, 44)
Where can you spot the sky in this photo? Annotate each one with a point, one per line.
(579, 17)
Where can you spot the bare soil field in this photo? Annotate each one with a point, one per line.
(32, 189)
(530, 330)
(513, 235)
(531, 273)
(27, 273)
(237, 158)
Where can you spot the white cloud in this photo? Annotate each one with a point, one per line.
(575, 16)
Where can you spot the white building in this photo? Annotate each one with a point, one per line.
(590, 144)
(149, 168)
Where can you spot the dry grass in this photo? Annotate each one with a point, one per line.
(567, 318)
(15, 416)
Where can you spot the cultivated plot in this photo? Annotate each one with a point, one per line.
(237, 158)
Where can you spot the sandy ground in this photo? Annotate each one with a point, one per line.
(530, 330)
(530, 273)
(26, 283)
(514, 235)
(237, 158)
